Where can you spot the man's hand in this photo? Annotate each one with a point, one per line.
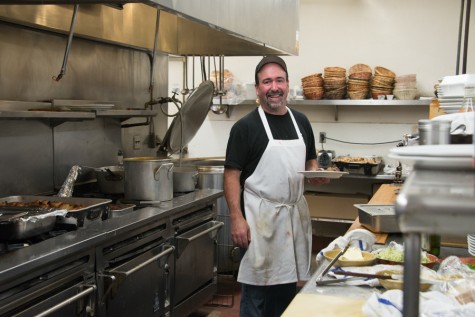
(240, 232)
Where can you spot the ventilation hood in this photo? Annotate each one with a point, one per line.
(186, 27)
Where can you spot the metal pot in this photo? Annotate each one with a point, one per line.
(210, 176)
(185, 179)
(110, 179)
(148, 178)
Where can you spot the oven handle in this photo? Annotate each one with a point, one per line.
(183, 240)
(84, 293)
(123, 275)
(117, 277)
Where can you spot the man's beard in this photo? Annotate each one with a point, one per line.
(274, 104)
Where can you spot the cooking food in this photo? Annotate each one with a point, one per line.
(364, 165)
(361, 160)
(391, 254)
(398, 283)
(42, 204)
(352, 254)
(367, 258)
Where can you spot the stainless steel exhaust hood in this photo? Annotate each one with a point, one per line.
(193, 27)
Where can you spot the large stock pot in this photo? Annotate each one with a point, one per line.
(148, 178)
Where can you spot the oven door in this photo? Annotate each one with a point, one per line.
(59, 287)
(195, 265)
(74, 301)
(140, 286)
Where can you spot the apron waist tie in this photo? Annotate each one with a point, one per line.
(278, 205)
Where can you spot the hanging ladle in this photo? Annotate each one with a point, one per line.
(68, 45)
(219, 91)
(185, 90)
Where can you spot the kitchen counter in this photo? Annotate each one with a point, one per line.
(327, 300)
(336, 301)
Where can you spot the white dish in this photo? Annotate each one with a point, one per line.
(450, 110)
(442, 150)
(447, 155)
(323, 174)
(91, 107)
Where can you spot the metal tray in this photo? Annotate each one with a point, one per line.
(94, 208)
(356, 167)
(378, 218)
(118, 210)
(18, 224)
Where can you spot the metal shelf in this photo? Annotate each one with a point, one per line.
(381, 104)
(58, 117)
(364, 102)
(348, 102)
(126, 114)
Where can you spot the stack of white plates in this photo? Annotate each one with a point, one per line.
(451, 104)
(451, 90)
(452, 86)
(471, 244)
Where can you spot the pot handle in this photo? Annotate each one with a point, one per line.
(156, 175)
(195, 178)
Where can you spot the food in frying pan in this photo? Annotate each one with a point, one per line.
(42, 204)
(362, 160)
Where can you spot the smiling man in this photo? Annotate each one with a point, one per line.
(269, 216)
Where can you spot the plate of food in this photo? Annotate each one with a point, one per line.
(323, 174)
(398, 283)
(395, 256)
(352, 257)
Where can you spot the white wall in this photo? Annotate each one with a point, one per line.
(405, 36)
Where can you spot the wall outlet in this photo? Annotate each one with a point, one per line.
(323, 137)
(137, 142)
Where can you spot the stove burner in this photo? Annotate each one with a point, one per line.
(9, 246)
(6, 247)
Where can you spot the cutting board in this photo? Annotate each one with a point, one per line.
(316, 305)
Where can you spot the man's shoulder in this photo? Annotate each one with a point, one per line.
(249, 119)
(299, 116)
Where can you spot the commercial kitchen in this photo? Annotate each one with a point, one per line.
(94, 93)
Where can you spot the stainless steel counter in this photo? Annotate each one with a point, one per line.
(433, 200)
(26, 259)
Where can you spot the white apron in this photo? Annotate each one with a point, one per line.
(277, 213)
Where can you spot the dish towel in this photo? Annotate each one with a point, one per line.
(359, 238)
(431, 304)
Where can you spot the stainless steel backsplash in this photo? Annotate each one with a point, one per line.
(36, 154)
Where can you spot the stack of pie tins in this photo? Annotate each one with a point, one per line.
(334, 82)
(359, 79)
(312, 86)
(382, 83)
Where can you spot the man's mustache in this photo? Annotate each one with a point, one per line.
(275, 93)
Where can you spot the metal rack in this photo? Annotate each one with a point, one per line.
(438, 201)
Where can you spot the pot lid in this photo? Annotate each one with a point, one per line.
(190, 118)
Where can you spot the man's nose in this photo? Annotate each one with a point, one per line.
(274, 85)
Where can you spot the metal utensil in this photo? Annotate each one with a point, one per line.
(368, 275)
(325, 271)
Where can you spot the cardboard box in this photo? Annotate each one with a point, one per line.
(334, 206)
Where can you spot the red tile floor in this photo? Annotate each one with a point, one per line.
(226, 301)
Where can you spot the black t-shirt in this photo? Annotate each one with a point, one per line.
(248, 139)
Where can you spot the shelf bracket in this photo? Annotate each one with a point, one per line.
(336, 112)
